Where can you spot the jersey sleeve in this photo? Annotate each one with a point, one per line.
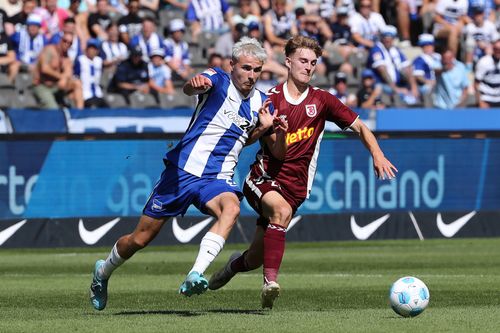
(338, 112)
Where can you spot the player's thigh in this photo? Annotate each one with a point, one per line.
(217, 197)
(226, 203)
(276, 208)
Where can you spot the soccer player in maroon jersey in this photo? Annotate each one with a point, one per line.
(276, 188)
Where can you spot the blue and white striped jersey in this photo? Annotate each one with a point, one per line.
(89, 71)
(27, 48)
(219, 129)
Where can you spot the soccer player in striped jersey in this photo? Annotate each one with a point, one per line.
(276, 188)
(199, 170)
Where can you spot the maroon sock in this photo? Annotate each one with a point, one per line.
(274, 248)
(239, 264)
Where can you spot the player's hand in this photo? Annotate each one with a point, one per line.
(265, 117)
(384, 168)
(280, 125)
(200, 82)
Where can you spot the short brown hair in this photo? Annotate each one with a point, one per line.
(302, 42)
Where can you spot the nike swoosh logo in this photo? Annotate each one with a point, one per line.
(90, 237)
(231, 99)
(294, 222)
(363, 233)
(450, 229)
(7, 233)
(185, 235)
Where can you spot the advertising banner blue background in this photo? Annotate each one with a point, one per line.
(114, 177)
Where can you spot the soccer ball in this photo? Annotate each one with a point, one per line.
(409, 296)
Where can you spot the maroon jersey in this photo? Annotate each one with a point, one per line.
(306, 122)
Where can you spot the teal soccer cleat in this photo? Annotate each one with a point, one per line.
(195, 283)
(98, 289)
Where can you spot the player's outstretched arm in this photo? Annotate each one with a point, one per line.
(382, 166)
(198, 84)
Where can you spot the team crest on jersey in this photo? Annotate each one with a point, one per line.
(311, 110)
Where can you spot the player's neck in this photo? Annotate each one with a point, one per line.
(295, 89)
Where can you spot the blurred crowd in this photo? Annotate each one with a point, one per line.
(139, 53)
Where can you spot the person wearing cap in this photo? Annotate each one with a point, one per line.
(366, 25)
(148, 39)
(339, 90)
(28, 43)
(479, 35)
(88, 68)
(53, 76)
(369, 96)
(160, 75)
(425, 66)
(340, 47)
(450, 17)
(392, 69)
(486, 78)
(177, 53)
(131, 75)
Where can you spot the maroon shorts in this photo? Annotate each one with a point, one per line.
(254, 190)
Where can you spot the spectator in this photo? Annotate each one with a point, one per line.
(11, 7)
(208, 15)
(392, 69)
(449, 21)
(88, 68)
(177, 53)
(112, 50)
(99, 21)
(17, 22)
(340, 90)
(225, 42)
(322, 8)
(52, 18)
(366, 25)
(160, 76)
(279, 25)
(313, 26)
(148, 39)
(452, 83)
(28, 43)
(7, 56)
(131, 75)
(53, 76)
(70, 27)
(425, 66)
(266, 81)
(409, 18)
(130, 25)
(487, 77)
(78, 10)
(479, 34)
(215, 60)
(370, 94)
(341, 41)
(3, 20)
(245, 14)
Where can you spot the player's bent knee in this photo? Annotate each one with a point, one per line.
(231, 211)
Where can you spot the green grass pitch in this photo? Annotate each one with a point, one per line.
(326, 287)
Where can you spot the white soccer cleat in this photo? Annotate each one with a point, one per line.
(224, 275)
(270, 291)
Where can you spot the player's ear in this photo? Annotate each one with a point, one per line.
(232, 62)
(288, 62)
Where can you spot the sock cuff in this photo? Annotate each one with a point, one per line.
(276, 227)
(215, 238)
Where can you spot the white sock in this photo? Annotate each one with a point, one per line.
(210, 246)
(112, 262)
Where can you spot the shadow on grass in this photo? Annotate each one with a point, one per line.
(188, 313)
